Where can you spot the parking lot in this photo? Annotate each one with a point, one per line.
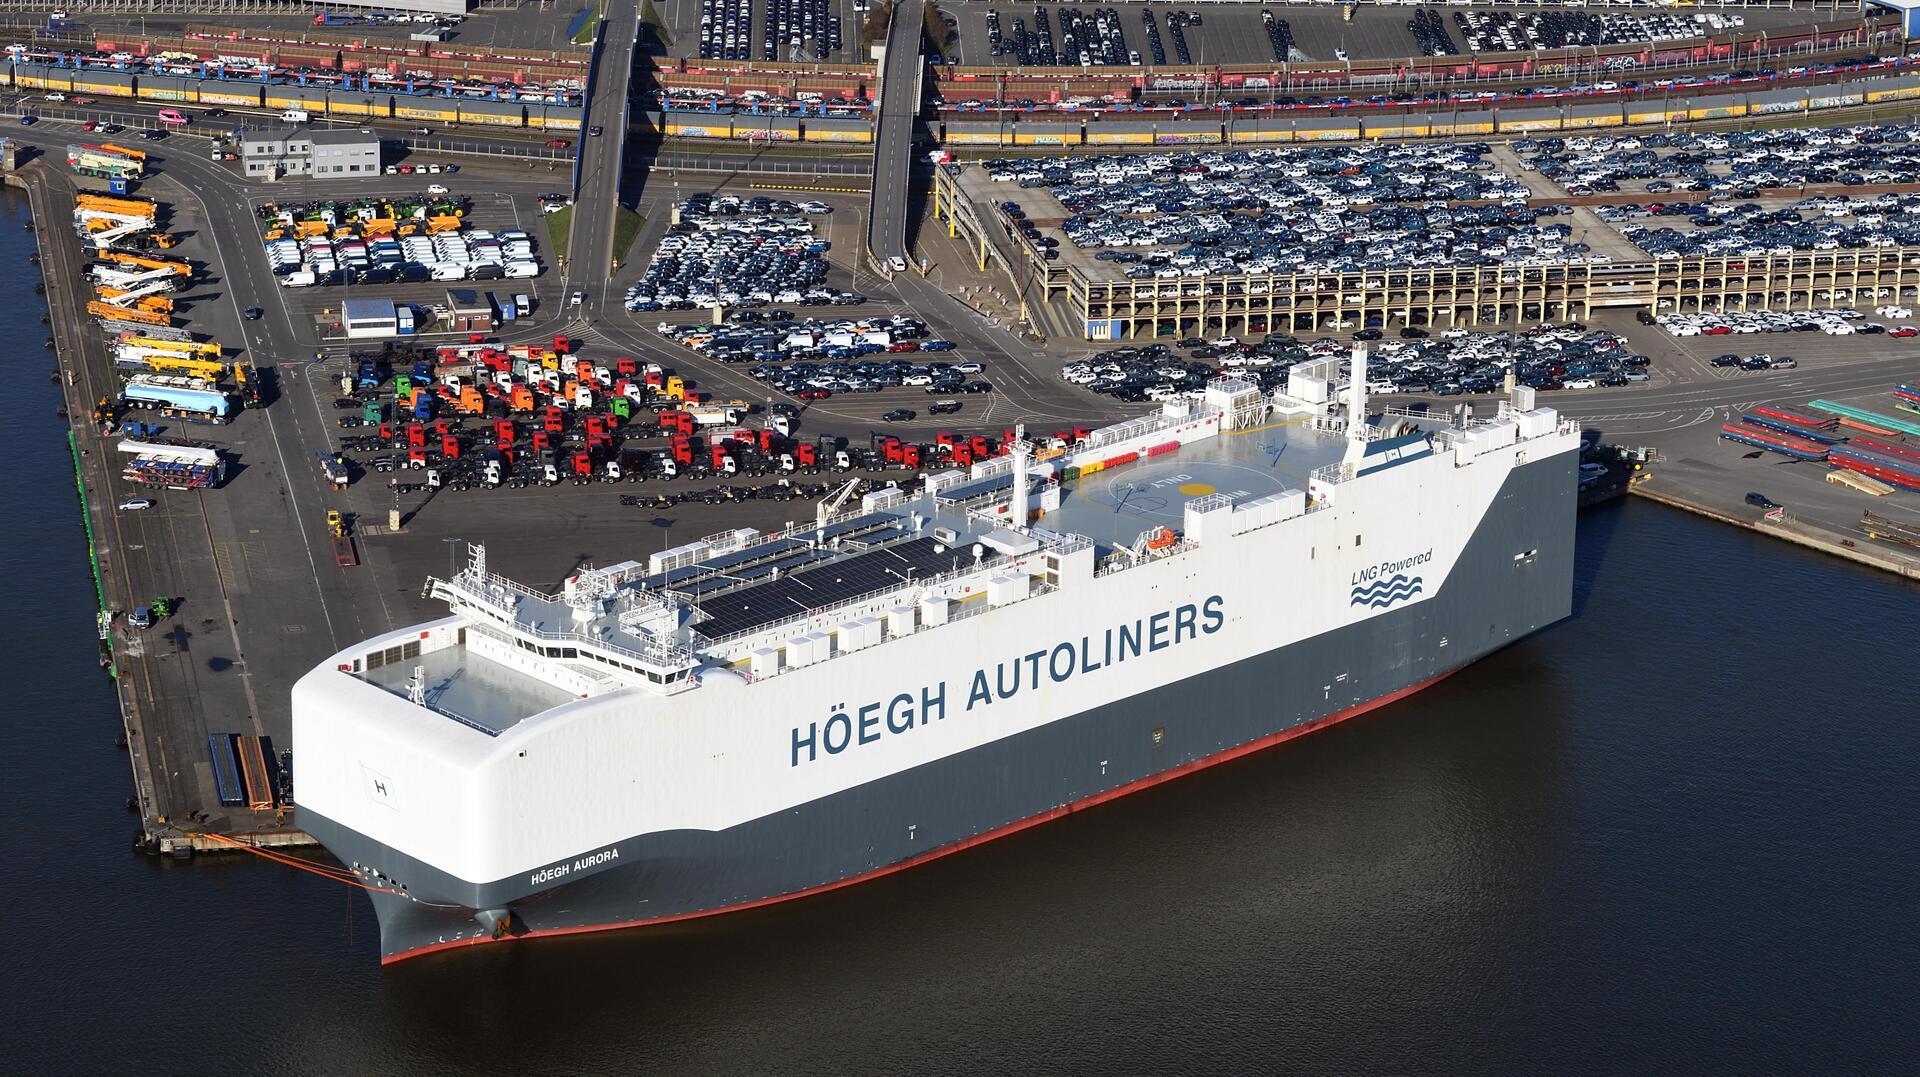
(1278, 210)
(1732, 161)
(525, 26)
(1765, 226)
(1451, 363)
(1237, 33)
(317, 309)
(1495, 30)
(807, 39)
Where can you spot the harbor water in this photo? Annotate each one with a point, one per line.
(1672, 834)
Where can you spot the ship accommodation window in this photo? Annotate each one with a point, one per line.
(410, 650)
(461, 639)
(390, 656)
(375, 660)
(1356, 542)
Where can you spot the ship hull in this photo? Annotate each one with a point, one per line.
(1007, 785)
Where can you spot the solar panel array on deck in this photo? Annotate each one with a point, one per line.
(872, 521)
(970, 490)
(722, 581)
(876, 538)
(826, 585)
(721, 562)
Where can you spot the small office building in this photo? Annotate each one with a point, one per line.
(333, 153)
(364, 319)
(468, 311)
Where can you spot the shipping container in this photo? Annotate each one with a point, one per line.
(255, 780)
(1809, 419)
(1767, 439)
(1793, 430)
(226, 770)
(1889, 469)
(1891, 449)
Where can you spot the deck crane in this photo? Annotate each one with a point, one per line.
(831, 503)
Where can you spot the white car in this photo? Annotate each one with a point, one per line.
(437, 188)
(136, 504)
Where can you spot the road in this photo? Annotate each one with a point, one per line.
(893, 135)
(590, 250)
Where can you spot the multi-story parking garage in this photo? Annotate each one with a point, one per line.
(1098, 303)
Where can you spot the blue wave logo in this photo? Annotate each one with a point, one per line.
(1383, 593)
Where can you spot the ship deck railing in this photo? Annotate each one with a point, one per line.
(653, 654)
(963, 609)
(830, 615)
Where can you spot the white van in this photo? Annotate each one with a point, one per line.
(300, 279)
(447, 271)
(523, 269)
(294, 115)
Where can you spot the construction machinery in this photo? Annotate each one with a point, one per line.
(146, 297)
(107, 161)
(109, 312)
(189, 358)
(123, 279)
(247, 380)
(141, 262)
(104, 221)
(344, 554)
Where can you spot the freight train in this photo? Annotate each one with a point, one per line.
(1014, 127)
(420, 102)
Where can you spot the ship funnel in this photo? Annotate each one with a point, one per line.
(1017, 507)
(1357, 395)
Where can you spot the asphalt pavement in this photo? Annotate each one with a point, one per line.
(893, 133)
(590, 251)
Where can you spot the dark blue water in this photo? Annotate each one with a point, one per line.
(1675, 834)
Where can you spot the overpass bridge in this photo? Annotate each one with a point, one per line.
(597, 164)
(900, 87)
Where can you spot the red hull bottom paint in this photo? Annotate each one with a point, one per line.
(978, 839)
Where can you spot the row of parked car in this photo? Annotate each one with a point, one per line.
(1733, 161)
(1834, 322)
(1524, 31)
(814, 359)
(775, 336)
(797, 28)
(713, 257)
(1448, 363)
(1750, 228)
(449, 256)
(1430, 35)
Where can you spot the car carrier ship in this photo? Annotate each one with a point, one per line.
(756, 717)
